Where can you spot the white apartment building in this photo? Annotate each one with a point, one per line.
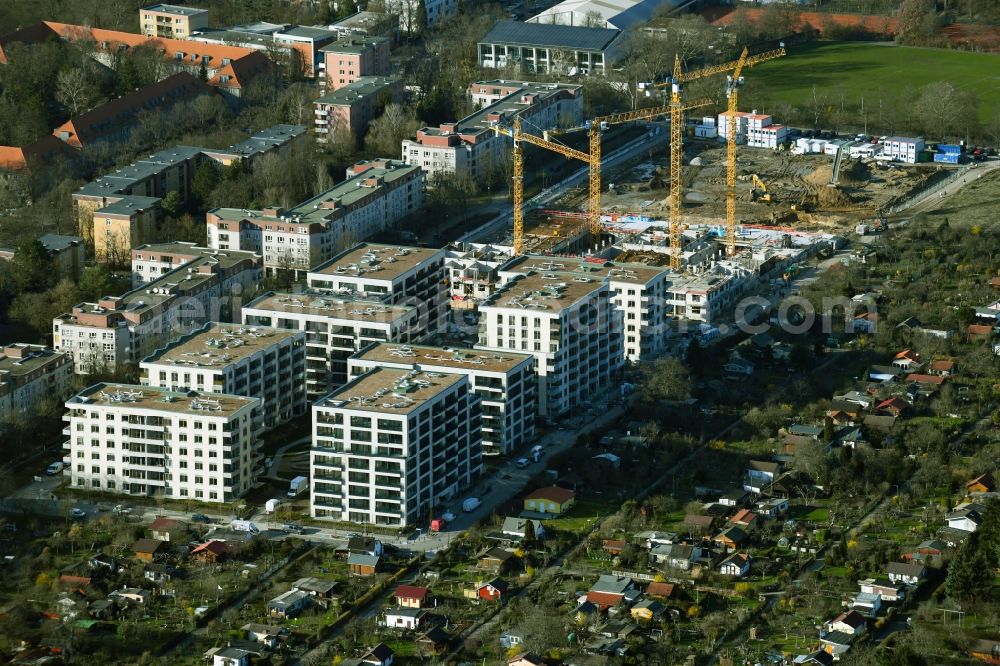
(392, 274)
(904, 149)
(375, 196)
(152, 261)
(504, 381)
(335, 328)
(30, 374)
(257, 362)
(392, 445)
(138, 440)
(568, 323)
(638, 296)
(470, 147)
(120, 330)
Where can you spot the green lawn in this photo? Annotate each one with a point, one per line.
(580, 518)
(857, 69)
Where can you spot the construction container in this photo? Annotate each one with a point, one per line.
(946, 158)
(924, 156)
(949, 148)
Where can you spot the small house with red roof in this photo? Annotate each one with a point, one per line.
(551, 500)
(895, 406)
(210, 551)
(411, 596)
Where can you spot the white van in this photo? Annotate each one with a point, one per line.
(54, 468)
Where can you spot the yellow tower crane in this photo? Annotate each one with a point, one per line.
(592, 159)
(733, 83)
(677, 109)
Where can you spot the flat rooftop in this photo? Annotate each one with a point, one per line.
(133, 396)
(509, 106)
(545, 292)
(175, 9)
(636, 273)
(307, 32)
(375, 261)
(385, 390)
(352, 43)
(23, 359)
(426, 355)
(329, 205)
(128, 205)
(334, 307)
(363, 87)
(218, 345)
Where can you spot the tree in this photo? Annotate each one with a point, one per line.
(386, 134)
(203, 72)
(97, 281)
(946, 111)
(31, 267)
(206, 177)
(75, 90)
(666, 379)
(916, 21)
(420, 20)
(778, 20)
(969, 572)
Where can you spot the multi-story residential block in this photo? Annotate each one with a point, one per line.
(351, 108)
(505, 382)
(470, 147)
(392, 445)
(143, 183)
(171, 21)
(67, 254)
(122, 225)
(30, 374)
(120, 330)
(373, 24)
(550, 49)
(151, 262)
(391, 274)
(138, 440)
(229, 68)
(335, 328)
(257, 362)
(375, 196)
(306, 42)
(408, 12)
(638, 296)
(353, 56)
(568, 323)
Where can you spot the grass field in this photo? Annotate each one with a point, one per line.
(856, 69)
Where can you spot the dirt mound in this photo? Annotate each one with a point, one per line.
(821, 175)
(855, 172)
(832, 197)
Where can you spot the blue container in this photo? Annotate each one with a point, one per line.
(949, 148)
(946, 158)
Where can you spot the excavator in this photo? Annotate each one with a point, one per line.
(758, 190)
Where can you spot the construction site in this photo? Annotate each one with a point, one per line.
(706, 199)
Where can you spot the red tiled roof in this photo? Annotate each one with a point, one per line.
(660, 589)
(604, 599)
(16, 158)
(552, 494)
(745, 516)
(214, 546)
(243, 64)
(980, 329)
(851, 618)
(109, 118)
(943, 366)
(924, 379)
(410, 592)
(162, 523)
(897, 404)
(909, 354)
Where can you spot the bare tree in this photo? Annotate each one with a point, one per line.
(386, 134)
(74, 90)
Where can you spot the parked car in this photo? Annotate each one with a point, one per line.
(293, 528)
(448, 517)
(77, 513)
(521, 463)
(121, 510)
(200, 518)
(54, 468)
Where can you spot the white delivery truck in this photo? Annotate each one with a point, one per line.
(245, 526)
(298, 485)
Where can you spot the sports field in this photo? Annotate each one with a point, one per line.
(856, 69)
